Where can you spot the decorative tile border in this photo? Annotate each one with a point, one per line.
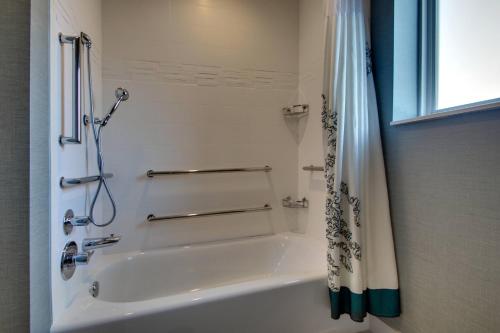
(198, 74)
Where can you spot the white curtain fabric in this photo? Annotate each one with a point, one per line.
(361, 259)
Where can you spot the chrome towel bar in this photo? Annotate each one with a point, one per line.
(152, 173)
(68, 182)
(313, 168)
(153, 218)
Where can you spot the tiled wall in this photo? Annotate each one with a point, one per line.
(70, 17)
(311, 49)
(207, 82)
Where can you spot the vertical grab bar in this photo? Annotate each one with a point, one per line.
(76, 136)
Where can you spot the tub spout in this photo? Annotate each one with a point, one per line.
(90, 244)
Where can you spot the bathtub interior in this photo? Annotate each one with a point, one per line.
(147, 275)
(285, 294)
(208, 80)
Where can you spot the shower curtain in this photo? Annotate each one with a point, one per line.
(362, 275)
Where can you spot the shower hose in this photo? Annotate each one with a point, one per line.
(97, 127)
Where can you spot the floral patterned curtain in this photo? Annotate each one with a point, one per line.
(362, 274)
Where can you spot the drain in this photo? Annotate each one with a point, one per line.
(94, 289)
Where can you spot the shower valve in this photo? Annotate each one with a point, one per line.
(70, 258)
(70, 221)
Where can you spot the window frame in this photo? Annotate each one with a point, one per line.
(429, 65)
(427, 58)
(414, 91)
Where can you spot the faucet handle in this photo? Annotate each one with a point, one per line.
(71, 258)
(82, 258)
(70, 221)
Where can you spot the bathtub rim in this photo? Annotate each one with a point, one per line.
(84, 310)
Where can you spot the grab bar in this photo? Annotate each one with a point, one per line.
(76, 136)
(68, 182)
(313, 168)
(152, 173)
(153, 218)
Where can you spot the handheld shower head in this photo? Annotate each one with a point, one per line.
(121, 95)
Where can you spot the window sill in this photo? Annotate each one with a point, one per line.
(450, 112)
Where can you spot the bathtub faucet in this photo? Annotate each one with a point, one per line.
(71, 258)
(90, 244)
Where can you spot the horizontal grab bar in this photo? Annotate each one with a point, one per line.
(68, 182)
(152, 173)
(313, 168)
(152, 218)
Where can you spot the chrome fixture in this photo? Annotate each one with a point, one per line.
(70, 221)
(90, 244)
(71, 258)
(152, 173)
(297, 110)
(76, 42)
(69, 182)
(85, 39)
(289, 203)
(313, 168)
(94, 289)
(97, 126)
(121, 96)
(152, 218)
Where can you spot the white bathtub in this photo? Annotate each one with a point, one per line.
(262, 284)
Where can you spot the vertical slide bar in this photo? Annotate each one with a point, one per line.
(76, 137)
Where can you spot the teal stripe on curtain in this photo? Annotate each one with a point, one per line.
(378, 302)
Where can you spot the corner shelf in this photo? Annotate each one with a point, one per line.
(295, 111)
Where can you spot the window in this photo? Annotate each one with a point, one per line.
(459, 55)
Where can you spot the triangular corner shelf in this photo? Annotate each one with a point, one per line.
(295, 111)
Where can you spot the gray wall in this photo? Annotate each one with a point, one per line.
(24, 190)
(40, 307)
(444, 182)
(14, 165)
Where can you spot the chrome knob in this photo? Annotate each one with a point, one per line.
(70, 221)
(70, 258)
